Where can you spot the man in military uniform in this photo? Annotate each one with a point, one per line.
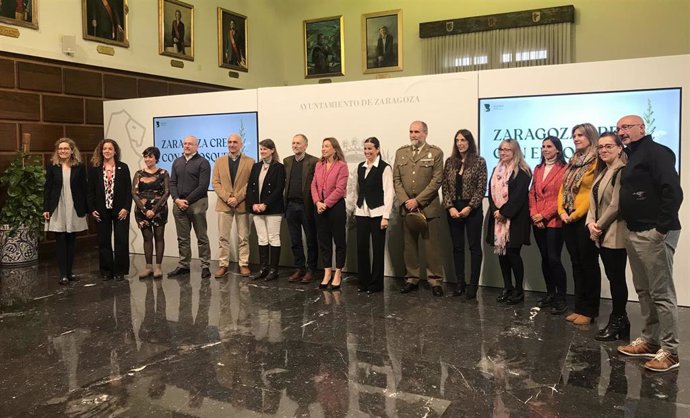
(417, 175)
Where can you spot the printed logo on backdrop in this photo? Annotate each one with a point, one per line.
(127, 131)
(364, 102)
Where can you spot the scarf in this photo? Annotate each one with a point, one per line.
(577, 167)
(499, 194)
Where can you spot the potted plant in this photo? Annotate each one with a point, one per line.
(21, 215)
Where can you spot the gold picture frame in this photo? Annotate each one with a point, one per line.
(176, 29)
(382, 42)
(23, 14)
(108, 25)
(232, 40)
(324, 47)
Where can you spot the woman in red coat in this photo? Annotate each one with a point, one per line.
(543, 209)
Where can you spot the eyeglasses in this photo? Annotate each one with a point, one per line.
(607, 147)
(505, 150)
(627, 127)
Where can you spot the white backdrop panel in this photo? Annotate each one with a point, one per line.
(352, 112)
(130, 123)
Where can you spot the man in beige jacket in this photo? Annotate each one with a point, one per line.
(230, 178)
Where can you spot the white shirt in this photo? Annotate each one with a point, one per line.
(388, 195)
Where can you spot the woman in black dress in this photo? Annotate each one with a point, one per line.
(110, 200)
(150, 193)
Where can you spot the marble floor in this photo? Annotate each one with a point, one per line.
(204, 347)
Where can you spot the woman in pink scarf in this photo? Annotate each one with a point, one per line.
(508, 217)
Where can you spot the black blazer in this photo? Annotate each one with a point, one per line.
(53, 188)
(122, 198)
(271, 191)
(516, 209)
(308, 166)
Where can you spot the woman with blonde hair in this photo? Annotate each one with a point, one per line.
(110, 201)
(573, 205)
(608, 231)
(64, 203)
(508, 217)
(328, 190)
(265, 200)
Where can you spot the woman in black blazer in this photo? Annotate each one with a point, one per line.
(64, 203)
(508, 217)
(265, 201)
(110, 201)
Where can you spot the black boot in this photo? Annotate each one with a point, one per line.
(471, 291)
(263, 261)
(618, 328)
(516, 296)
(547, 300)
(274, 259)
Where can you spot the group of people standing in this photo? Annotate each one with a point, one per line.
(593, 203)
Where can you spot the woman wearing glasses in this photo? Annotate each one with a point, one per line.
(508, 218)
(573, 204)
(464, 185)
(546, 224)
(608, 231)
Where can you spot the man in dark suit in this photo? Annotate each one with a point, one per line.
(384, 49)
(234, 47)
(104, 18)
(177, 32)
(299, 208)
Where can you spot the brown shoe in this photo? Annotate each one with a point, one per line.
(221, 272)
(582, 320)
(573, 316)
(307, 278)
(662, 362)
(244, 271)
(639, 348)
(296, 276)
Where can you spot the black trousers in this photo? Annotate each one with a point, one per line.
(473, 225)
(116, 263)
(330, 229)
(299, 218)
(370, 270)
(550, 243)
(584, 256)
(615, 261)
(65, 251)
(512, 261)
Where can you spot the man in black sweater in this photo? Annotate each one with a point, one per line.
(189, 180)
(650, 198)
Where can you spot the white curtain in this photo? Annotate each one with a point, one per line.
(503, 48)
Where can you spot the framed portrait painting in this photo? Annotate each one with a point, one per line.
(105, 21)
(176, 29)
(232, 40)
(19, 13)
(323, 47)
(382, 42)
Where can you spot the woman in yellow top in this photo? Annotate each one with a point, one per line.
(573, 204)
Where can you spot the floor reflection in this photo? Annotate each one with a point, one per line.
(233, 347)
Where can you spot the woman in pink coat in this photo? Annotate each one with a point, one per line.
(328, 191)
(543, 208)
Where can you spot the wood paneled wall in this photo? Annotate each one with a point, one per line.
(52, 99)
